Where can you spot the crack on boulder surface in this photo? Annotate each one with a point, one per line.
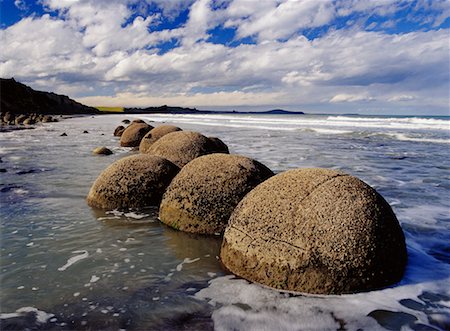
(267, 239)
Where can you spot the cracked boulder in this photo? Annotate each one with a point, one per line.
(181, 147)
(315, 231)
(132, 135)
(135, 181)
(154, 134)
(201, 198)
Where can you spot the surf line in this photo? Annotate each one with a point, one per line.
(74, 259)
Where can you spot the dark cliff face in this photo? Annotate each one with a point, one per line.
(18, 98)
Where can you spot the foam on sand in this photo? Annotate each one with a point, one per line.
(240, 305)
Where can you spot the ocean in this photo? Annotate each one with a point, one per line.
(65, 266)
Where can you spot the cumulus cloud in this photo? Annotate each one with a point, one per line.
(21, 4)
(107, 52)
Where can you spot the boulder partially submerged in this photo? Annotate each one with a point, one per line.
(102, 151)
(219, 145)
(201, 198)
(118, 131)
(181, 147)
(316, 231)
(135, 181)
(132, 135)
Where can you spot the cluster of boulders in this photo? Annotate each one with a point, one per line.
(309, 230)
(8, 118)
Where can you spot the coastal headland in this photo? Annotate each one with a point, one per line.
(18, 99)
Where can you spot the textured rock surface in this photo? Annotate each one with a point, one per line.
(154, 134)
(132, 182)
(182, 147)
(102, 151)
(316, 231)
(119, 130)
(132, 135)
(203, 195)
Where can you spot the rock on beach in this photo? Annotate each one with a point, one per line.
(102, 151)
(132, 135)
(316, 231)
(201, 198)
(154, 134)
(135, 181)
(118, 131)
(181, 147)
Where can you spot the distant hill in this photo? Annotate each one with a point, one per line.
(283, 112)
(17, 98)
(182, 110)
(164, 110)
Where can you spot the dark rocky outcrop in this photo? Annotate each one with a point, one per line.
(136, 181)
(201, 198)
(17, 98)
(316, 231)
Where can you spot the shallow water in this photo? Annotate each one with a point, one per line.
(67, 266)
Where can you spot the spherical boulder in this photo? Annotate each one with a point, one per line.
(119, 130)
(219, 145)
(154, 134)
(135, 181)
(316, 231)
(102, 151)
(182, 147)
(29, 121)
(201, 198)
(132, 135)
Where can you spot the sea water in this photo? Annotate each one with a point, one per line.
(67, 266)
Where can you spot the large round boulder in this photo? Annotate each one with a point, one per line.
(181, 147)
(135, 181)
(154, 134)
(316, 231)
(201, 198)
(132, 135)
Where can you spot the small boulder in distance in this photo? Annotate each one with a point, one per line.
(102, 151)
(119, 130)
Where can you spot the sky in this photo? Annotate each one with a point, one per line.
(341, 56)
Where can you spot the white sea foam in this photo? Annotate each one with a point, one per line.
(286, 122)
(41, 316)
(241, 305)
(186, 261)
(74, 259)
(404, 137)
